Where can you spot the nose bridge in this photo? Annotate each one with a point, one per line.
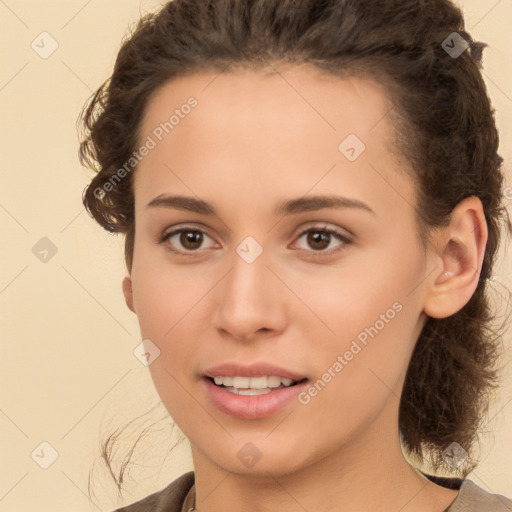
(247, 282)
(248, 298)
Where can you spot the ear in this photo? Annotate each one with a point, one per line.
(458, 254)
(128, 293)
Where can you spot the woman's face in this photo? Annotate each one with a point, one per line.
(266, 163)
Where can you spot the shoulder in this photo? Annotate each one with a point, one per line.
(473, 498)
(169, 499)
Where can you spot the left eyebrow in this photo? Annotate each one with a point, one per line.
(312, 203)
(291, 206)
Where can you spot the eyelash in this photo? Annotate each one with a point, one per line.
(315, 229)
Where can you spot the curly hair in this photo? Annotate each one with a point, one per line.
(444, 129)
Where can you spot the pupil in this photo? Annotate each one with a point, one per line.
(191, 237)
(317, 236)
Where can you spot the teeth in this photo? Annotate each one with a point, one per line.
(252, 382)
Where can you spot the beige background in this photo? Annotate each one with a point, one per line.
(68, 367)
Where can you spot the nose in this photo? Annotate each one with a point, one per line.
(250, 300)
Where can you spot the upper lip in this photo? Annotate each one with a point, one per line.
(251, 370)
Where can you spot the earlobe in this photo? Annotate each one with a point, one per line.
(128, 293)
(458, 260)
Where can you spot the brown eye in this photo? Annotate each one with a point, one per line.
(185, 240)
(320, 240)
(191, 239)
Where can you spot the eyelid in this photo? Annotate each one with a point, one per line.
(184, 227)
(325, 226)
(345, 239)
(168, 233)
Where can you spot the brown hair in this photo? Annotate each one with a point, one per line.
(445, 130)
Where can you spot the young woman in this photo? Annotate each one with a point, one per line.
(312, 200)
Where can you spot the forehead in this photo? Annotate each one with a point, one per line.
(281, 129)
(288, 96)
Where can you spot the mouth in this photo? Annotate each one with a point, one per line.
(253, 386)
(251, 401)
(252, 390)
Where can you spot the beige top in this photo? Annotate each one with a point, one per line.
(179, 496)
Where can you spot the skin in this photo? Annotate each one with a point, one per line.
(254, 140)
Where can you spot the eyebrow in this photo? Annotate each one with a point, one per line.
(291, 206)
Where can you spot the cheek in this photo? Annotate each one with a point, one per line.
(165, 305)
(349, 302)
(168, 302)
(361, 369)
(164, 297)
(366, 327)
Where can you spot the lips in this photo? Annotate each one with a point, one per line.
(247, 407)
(251, 404)
(262, 369)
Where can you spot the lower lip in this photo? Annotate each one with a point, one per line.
(252, 407)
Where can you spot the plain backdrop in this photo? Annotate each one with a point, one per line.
(68, 369)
